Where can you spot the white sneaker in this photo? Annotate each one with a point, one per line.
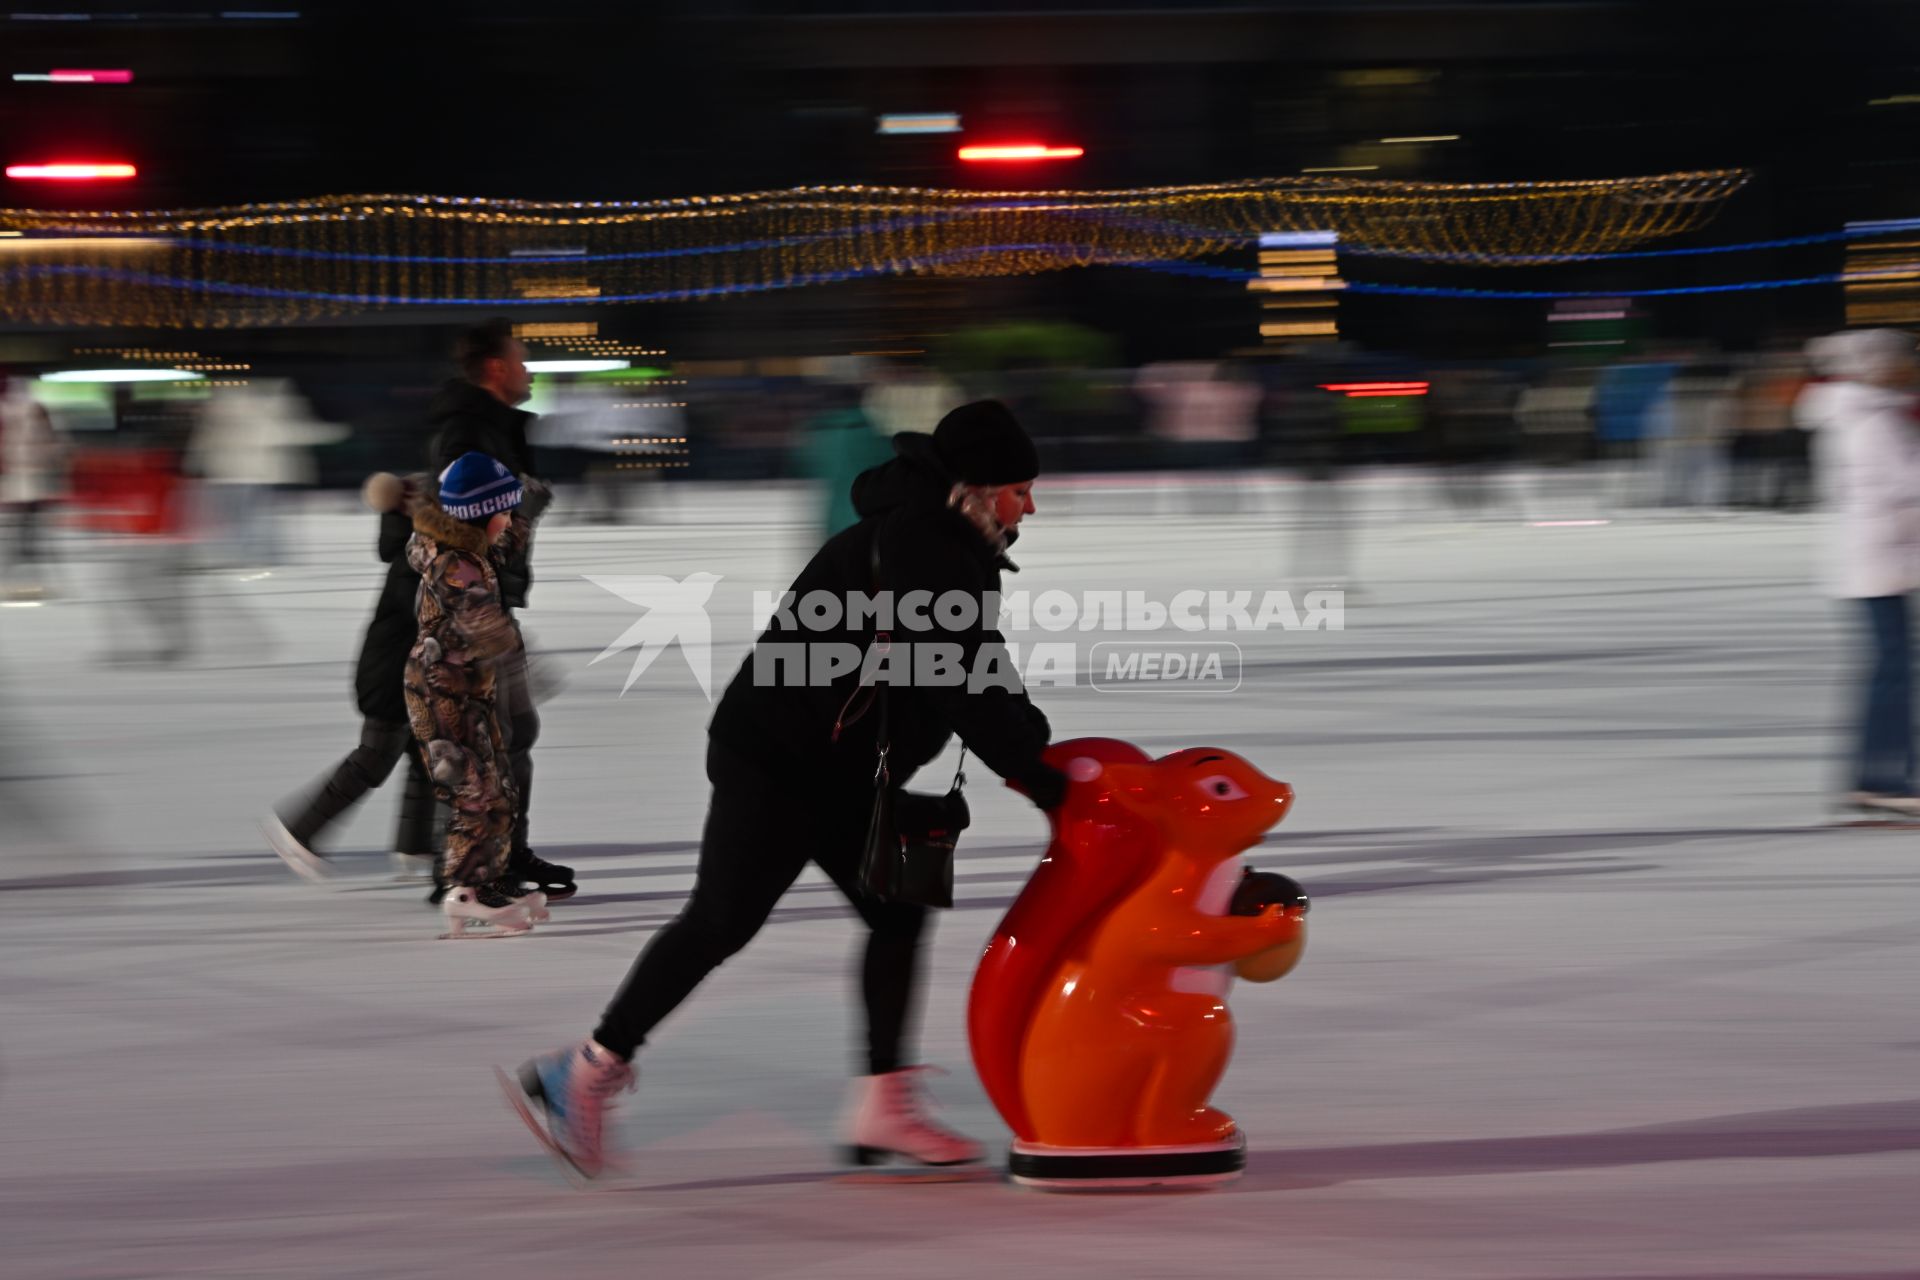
(889, 1118)
(1892, 806)
(306, 864)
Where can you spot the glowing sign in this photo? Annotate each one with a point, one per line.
(1021, 152)
(71, 171)
(922, 122)
(76, 77)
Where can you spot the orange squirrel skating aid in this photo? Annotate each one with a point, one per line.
(1098, 1016)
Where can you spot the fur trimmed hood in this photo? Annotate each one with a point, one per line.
(429, 521)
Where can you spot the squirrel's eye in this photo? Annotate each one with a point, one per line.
(1221, 787)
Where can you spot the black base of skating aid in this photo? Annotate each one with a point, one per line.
(1115, 1168)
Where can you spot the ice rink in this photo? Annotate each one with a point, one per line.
(1593, 989)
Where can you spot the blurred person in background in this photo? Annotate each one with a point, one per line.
(385, 735)
(1304, 429)
(478, 412)
(1689, 425)
(141, 503)
(33, 458)
(1555, 416)
(906, 397)
(1625, 397)
(793, 774)
(33, 461)
(1768, 454)
(607, 443)
(1204, 414)
(1868, 449)
(1472, 415)
(252, 445)
(838, 443)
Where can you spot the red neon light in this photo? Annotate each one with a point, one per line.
(74, 171)
(1378, 388)
(1365, 395)
(1021, 151)
(91, 77)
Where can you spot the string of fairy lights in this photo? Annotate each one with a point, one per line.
(338, 255)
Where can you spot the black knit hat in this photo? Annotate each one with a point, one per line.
(980, 443)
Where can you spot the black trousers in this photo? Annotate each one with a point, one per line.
(761, 832)
(382, 744)
(520, 724)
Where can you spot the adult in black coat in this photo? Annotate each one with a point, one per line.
(792, 769)
(477, 413)
(924, 544)
(385, 735)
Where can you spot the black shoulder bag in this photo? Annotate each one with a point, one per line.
(910, 837)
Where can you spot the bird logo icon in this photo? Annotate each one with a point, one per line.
(676, 613)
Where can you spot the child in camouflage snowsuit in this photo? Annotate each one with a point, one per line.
(464, 632)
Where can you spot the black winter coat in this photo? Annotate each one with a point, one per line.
(466, 419)
(924, 546)
(383, 654)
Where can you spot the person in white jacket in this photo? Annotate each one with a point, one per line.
(1867, 453)
(33, 461)
(252, 445)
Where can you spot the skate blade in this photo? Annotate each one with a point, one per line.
(1880, 824)
(484, 931)
(517, 1099)
(918, 1175)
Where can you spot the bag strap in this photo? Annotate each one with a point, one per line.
(882, 642)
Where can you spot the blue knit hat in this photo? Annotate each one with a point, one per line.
(476, 488)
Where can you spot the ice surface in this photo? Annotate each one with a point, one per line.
(1592, 990)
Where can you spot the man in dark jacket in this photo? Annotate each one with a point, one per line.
(478, 413)
(792, 769)
(384, 733)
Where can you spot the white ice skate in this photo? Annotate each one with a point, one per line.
(534, 901)
(498, 917)
(888, 1120)
(572, 1089)
(305, 863)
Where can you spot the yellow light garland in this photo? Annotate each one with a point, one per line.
(340, 255)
